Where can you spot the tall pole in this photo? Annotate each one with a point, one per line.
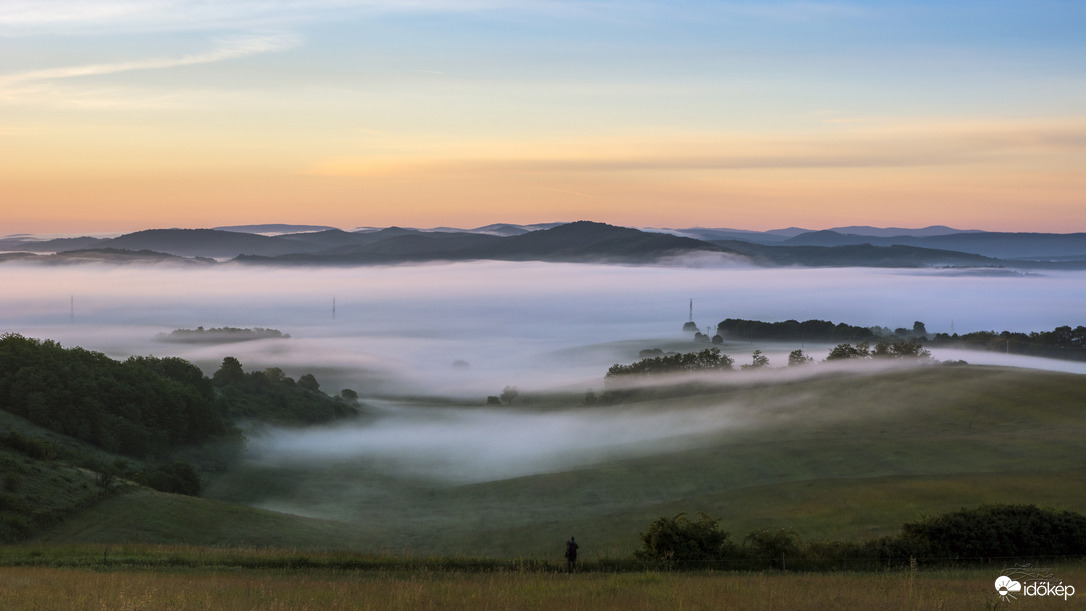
(691, 309)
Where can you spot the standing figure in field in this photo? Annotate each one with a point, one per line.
(571, 555)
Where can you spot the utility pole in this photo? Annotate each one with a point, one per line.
(691, 309)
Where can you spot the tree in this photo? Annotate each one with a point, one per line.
(509, 393)
(229, 373)
(308, 382)
(796, 358)
(685, 543)
(349, 396)
(848, 351)
(919, 329)
(772, 545)
(900, 349)
(758, 361)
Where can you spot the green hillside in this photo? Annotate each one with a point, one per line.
(847, 456)
(147, 516)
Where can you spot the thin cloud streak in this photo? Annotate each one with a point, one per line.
(227, 49)
(20, 18)
(926, 147)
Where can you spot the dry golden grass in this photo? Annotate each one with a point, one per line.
(56, 588)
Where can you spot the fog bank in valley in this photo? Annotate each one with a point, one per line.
(399, 329)
(467, 330)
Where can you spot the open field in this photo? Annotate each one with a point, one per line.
(849, 456)
(231, 587)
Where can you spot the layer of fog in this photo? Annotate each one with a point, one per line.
(459, 446)
(398, 330)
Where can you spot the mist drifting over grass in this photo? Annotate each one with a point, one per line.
(460, 446)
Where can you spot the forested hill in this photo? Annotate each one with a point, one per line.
(146, 406)
(580, 241)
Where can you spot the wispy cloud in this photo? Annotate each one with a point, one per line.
(887, 147)
(227, 49)
(28, 17)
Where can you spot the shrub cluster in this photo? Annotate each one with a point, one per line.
(988, 532)
(710, 359)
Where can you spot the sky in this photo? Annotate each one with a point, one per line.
(120, 115)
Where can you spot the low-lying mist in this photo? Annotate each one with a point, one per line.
(466, 445)
(426, 345)
(400, 329)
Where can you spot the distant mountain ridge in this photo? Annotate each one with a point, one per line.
(581, 241)
(989, 244)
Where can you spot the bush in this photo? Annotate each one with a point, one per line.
(771, 546)
(999, 530)
(681, 542)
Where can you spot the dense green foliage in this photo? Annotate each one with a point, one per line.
(999, 531)
(163, 414)
(710, 359)
(812, 330)
(685, 543)
(884, 349)
(1002, 532)
(1061, 342)
(270, 396)
(138, 408)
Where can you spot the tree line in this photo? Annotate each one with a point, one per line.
(712, 359)
(1003, 532)
(812, 330)
(1061, 343)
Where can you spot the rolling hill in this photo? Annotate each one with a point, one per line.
(581, 241)
(847, 456)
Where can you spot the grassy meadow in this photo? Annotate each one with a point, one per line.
(232, 587)
(848, 456)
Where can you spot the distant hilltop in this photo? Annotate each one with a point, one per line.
(579, 242)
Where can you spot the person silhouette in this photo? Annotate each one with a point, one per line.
(571, 555)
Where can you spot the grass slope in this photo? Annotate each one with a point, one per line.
(56, 588)
(847, 456)
(147, 516)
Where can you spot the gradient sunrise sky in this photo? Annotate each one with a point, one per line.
(119, 115)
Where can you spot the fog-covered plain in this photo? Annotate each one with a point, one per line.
(396, 331)
(533, 325)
